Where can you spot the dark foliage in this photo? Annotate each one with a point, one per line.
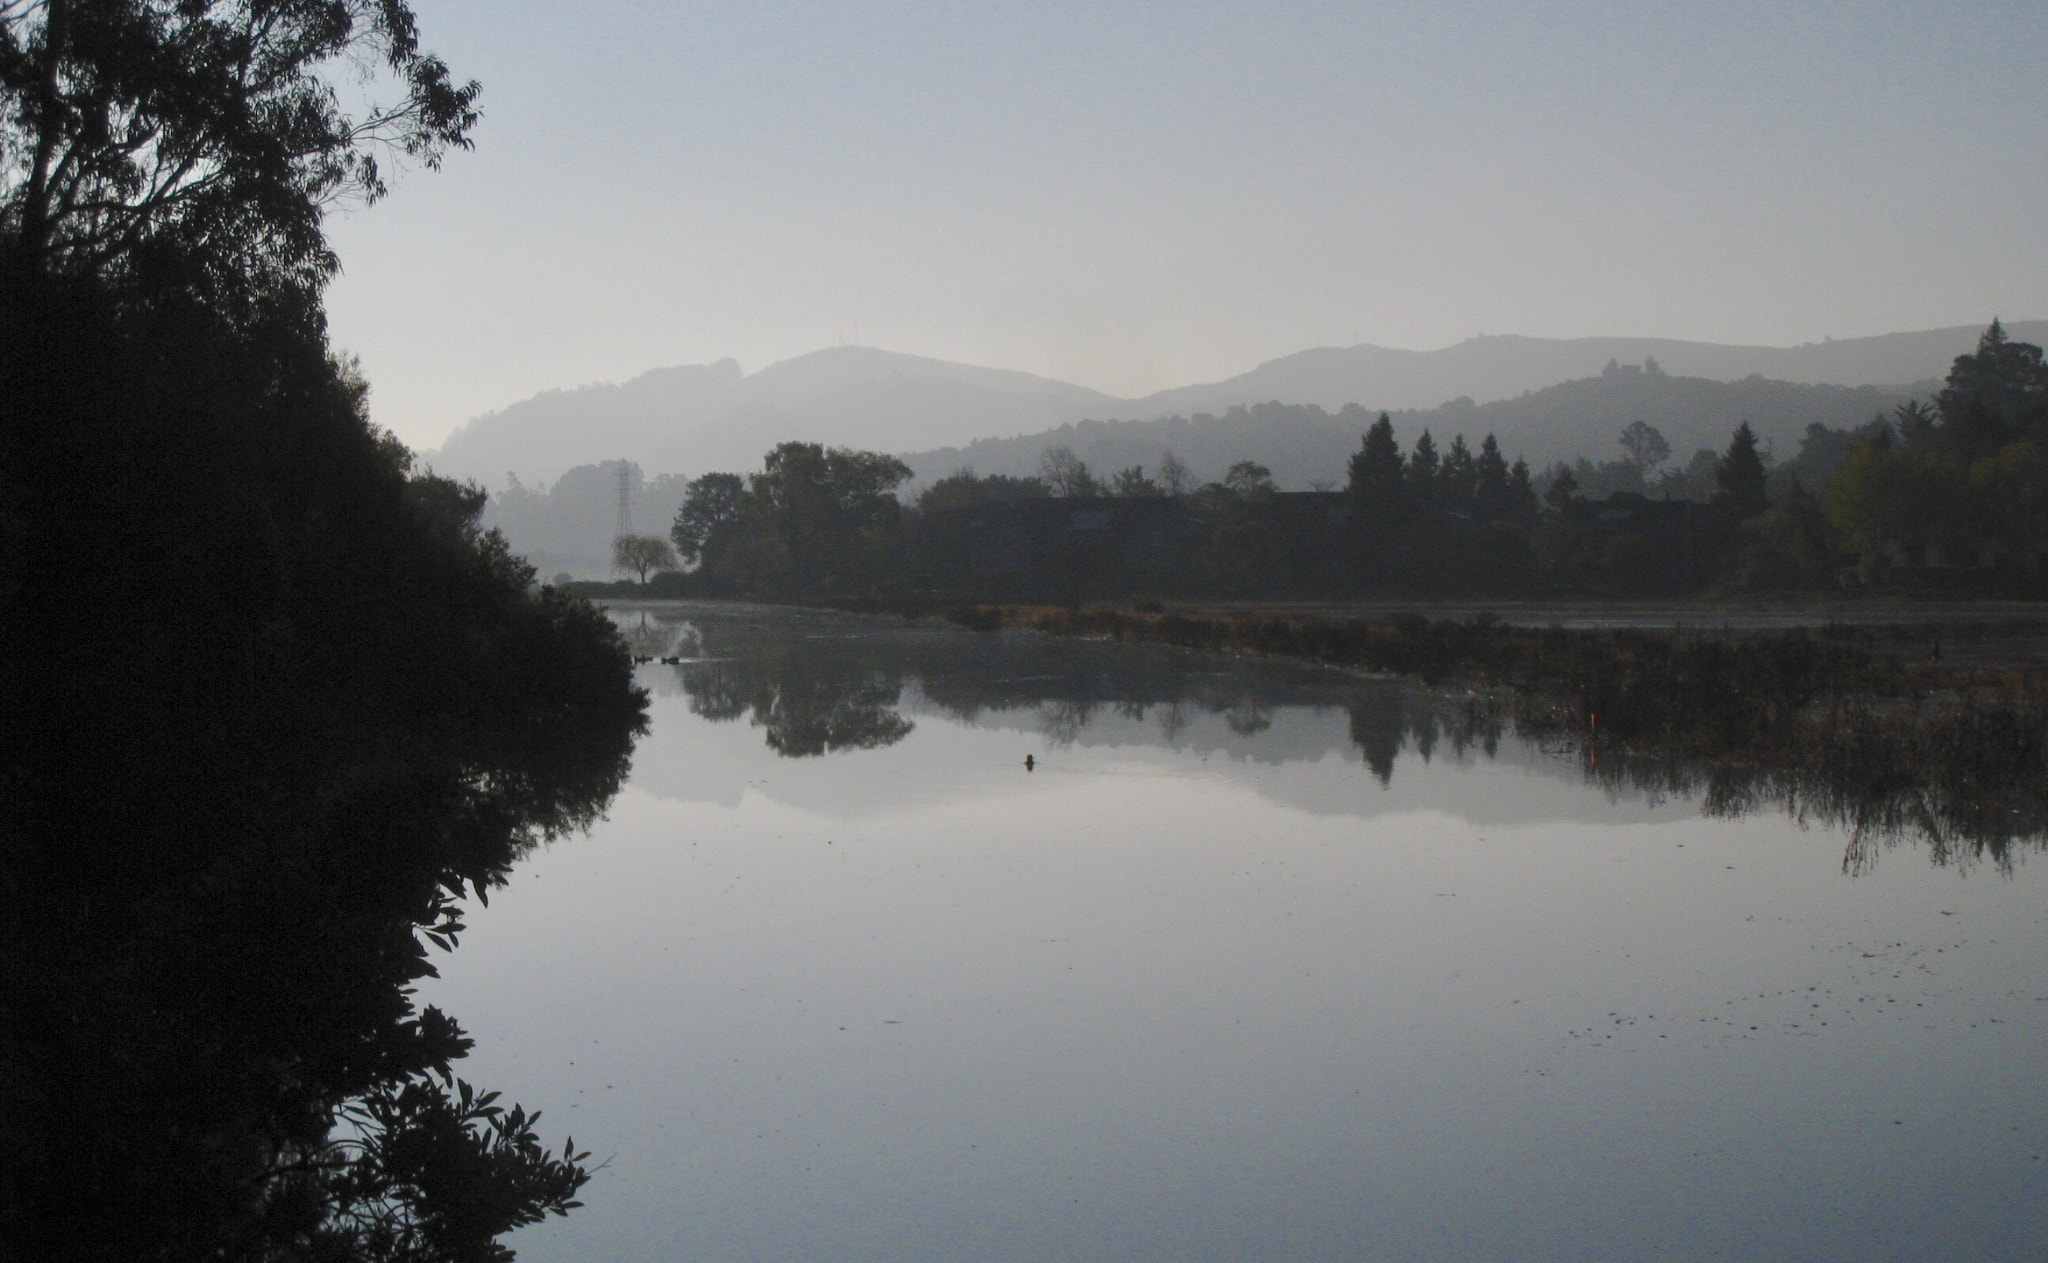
(1459, 523)
(274, 707)
(1739, 478)
(1997, 396)
(1959, 501)
(138, 131)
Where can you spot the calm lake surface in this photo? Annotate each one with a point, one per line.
(1258, 961)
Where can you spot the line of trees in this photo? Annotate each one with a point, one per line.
(1945, 494)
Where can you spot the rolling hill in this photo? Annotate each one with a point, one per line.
(1304, 444)
(689, 420)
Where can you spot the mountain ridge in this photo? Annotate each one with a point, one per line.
(690, 419)
(1304, 445)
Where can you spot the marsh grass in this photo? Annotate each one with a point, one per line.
(1862, 728)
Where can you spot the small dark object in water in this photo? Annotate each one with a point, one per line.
(640, 658)
(1029, 762)
(671, 662)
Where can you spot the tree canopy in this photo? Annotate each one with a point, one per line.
(209, 136)
(642, 554)
(1998, 395)
(231, 843)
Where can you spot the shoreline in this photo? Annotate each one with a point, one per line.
(1905, 726)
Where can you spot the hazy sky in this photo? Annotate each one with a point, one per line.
(1134, 196)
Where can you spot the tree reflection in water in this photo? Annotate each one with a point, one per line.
(819, 683)
(811, 697)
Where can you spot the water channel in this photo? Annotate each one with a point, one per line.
(1253, 960)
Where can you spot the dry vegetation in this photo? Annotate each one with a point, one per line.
(1934, 732)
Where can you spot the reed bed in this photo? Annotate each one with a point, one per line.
(1860, 727)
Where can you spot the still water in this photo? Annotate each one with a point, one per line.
(1256, 961)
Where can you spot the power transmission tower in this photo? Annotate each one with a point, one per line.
(625, 525)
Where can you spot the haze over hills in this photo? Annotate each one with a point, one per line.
(704, 417)
(1304, 445)
(690, 420)
(1498, 367)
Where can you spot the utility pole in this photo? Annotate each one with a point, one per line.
(625, 525)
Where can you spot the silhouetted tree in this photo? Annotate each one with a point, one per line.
(1521, 497)
(1460, 475)
(1996, 396)
(1174, 478)
(1066, 473)
(1562, 491)
(1490, 482)
(1918, 422)
(1424, 467)
(1740, 478)
(1377, 473)
(352, 708)
(1645, 445)
(709, 518)
(133, 131)
(824, 511)
(1132, 482)
(1249, 478)
(642, 554)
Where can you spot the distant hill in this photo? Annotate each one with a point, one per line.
(693, 419)
(1304, 444)
(1489, 368)
(712, 416)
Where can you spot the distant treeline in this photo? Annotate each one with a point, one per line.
(1947, 495)
(568, 525)
(1305, 446)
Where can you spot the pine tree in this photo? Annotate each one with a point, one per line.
(1740, 477)
(1562, 491)
(1490, 481)
(1459, 477)
(1996, 396)
(1424, 468)
(1521, 499)
(1377, 472)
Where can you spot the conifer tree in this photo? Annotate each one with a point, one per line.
(1377, 471)
(1460, 475)
(1424, 467)
(1996, 396)
(1490, 480)
(1740, 477)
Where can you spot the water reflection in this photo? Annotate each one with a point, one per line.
(819, 683)
(809, 699)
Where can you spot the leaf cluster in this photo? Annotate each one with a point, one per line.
(207, 138)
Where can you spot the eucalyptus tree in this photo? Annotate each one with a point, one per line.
(213, 133)
(350, 707)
